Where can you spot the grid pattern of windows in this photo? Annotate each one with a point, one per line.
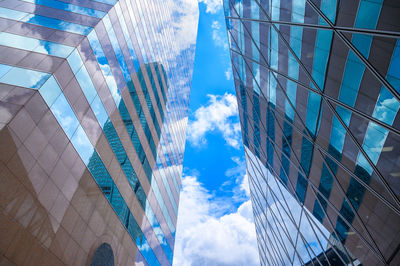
(318, 85)
(93, 113)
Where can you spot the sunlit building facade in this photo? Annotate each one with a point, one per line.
(93, 112)
(318, 87)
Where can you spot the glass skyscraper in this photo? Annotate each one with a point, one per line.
(93, 112)
(318, 87)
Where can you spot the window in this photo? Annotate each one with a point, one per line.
(103, 256)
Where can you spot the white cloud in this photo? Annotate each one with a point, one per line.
(175, 31)
(204, 238)
(238, 175)
(244, 186)
(174, 43)
(185, 17)
(213, 6)
(219, 35)
(228, 73)
(218, 115)
(386, 110)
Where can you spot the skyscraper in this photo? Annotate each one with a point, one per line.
(318, 85)
(93, 112)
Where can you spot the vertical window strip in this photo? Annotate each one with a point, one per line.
(119, 151)
(115, 92)
(375, 136)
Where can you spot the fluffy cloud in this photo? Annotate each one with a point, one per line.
(220, 115)
(237, 176)
(176, 30)
(244, 186)
(205, 238)
(213, 6)
(228, 73)
(184, 16)
(219, 35)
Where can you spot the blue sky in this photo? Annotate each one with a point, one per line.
(215, 225)
(215, 219)
(208, 151)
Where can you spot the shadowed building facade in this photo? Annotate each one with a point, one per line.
(318, 87)
(93, 112)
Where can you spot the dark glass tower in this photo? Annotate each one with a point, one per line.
(93, 112)
(318, 87)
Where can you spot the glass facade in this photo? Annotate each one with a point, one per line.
(93, 112)
(318, 85)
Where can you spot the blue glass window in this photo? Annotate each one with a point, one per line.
(81, 143)
(69, 7)
(50, 91)
(86, 84)
(301, 187)
(103, 256)
(65, 116)
(22, 77)
(31, 44)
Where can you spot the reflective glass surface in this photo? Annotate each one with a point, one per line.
(97, 92)
(319, 108)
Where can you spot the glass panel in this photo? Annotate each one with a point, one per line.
(44, 21)
(65, 115)
(99, 111)
(75, 61)
(12, 14)
(4, 69)
(81, 143)
(86, 84)
(23, 77)
(69, 7)
(50, 91)
(56, 24)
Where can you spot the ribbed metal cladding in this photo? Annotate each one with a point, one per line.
(318, 87)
